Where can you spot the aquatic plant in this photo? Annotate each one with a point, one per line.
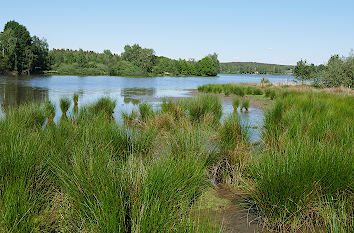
(64, 105)
(235, 103)
(104, 106)
(200, 106)
(76, 99)
(245, 104)
(49, 110)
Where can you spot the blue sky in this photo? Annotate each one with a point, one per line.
(256, 30)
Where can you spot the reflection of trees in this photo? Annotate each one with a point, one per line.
(14, 94)
(130, 93)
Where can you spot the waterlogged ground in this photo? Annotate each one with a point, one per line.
(128, 92)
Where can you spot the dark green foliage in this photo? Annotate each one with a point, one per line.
(303, 71)
(21, 53)
(134, 61)
(254, 68)
(339, 72)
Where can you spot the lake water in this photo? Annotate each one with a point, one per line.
(128, 92)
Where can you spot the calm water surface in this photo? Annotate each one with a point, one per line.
(128, 92)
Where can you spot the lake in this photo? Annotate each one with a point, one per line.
(128, 92)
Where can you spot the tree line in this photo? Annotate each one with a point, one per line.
(22, 54)
(254, 68)
(339, 71)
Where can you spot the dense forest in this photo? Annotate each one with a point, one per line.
(134, 61)
(254, 68)
(23, 54)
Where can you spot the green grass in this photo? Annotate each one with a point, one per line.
(149, 174)
(93, 175)
(65, 105)
(235, 103)
(245, 104)
(308, 157)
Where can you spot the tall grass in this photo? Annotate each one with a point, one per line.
(203, 106)
(64, 106)
(93, 175)
(308, 157)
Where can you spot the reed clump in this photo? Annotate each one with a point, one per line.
(308, 159)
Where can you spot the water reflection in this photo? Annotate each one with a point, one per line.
(128, 92)
(14, 94)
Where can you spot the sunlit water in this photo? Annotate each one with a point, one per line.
(128, 92)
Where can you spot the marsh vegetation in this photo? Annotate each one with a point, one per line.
(88, 173)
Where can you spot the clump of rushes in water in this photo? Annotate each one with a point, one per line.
(104, 106)
(245, 104)
(76, 99)
(235, 103)
(64, 106)
(50, 111)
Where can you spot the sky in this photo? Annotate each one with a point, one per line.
(269, 31)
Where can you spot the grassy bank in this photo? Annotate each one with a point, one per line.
(88, 173)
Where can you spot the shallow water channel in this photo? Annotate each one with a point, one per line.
(128, 92)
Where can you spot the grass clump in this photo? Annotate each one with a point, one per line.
(145, 110)
(104, 106)
(64, 105)
(308, 158)
(203, 106)
(49, 109)
(245, 104)
(235, 103)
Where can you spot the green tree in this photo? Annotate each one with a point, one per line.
(303, 71)
(205, 67)
(141, 57)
